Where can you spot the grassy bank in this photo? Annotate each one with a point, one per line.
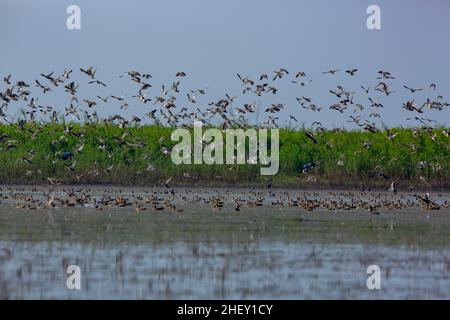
(108, 154)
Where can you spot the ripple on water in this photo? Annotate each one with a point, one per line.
(255, 270)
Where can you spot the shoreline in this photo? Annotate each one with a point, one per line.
(257, 186)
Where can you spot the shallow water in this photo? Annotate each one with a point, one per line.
(260, 270)
(257, 253)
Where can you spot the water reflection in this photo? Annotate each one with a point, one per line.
(216, 270)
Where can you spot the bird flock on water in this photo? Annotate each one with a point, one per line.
(177, 200)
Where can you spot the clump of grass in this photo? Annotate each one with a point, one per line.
(33, 152)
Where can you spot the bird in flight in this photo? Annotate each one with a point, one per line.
(278, 74)
(351, 72)
(412, 89)
(89, 72)
(332, 71)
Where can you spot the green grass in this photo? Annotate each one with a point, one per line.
(342, 159)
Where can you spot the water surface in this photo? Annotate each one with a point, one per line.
(266, 252)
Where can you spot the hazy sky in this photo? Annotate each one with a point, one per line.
(213, 40)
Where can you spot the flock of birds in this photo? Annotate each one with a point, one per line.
(165, 107)
(227, 200)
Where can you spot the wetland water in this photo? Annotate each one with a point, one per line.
(266, 252)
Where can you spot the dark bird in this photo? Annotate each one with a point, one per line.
(97, 82)
(89, 72)
(332, 71)
(366, 90)
(412, 89)
(71, 88)
(311, 136)
(44, 88)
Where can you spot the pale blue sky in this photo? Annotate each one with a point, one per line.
(213, 40)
